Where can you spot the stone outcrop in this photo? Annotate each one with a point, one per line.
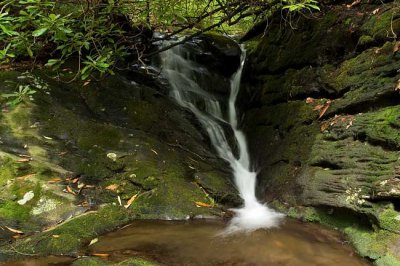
(323, 120)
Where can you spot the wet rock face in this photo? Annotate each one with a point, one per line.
(117, 148)
(324, 121)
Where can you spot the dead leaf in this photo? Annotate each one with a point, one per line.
(112, 187)
(24, 156)
(202, 204)
(131, 200)
(397, 88)
(309, 100)
(103, 255)
(323, 110)
(324, 126)
(75, 180)
(56, 236)
(69, 189)
(349, 125)
(375, 11)
(318, 107)
(154, 151)
(47, 138)
(86, 83)
(54, 180)
(94, 240)
(62, 153)
(26, 177)
(396, 47)
(119, 200)
(356, 2)
(14, 230)
(23, 160)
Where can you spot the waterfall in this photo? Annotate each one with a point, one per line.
(183, 74)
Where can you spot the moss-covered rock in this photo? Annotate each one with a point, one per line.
(323, 122)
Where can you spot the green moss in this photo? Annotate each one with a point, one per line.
(136, 262)
(11, 209)
(382, 25)
(8, 170)
(69, 237)
(389, 219)
(89, 261)
(387, 260)
(365, 40)
(371, 244)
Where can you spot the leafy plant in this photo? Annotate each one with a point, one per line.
(297, 6)
(23, 94)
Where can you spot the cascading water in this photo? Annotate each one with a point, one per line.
(182, 74)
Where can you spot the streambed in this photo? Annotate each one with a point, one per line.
(198, 243)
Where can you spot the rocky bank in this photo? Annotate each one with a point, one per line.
(322, 114)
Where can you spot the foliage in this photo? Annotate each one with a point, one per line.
(25, 89)
(101, 33)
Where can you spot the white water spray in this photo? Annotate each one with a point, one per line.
(182, 74)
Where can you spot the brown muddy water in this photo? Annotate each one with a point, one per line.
(198, 243)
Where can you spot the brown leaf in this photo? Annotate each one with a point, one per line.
(54, 180)
(375, 11)
(14, 230)
(309, 100)
(112, 187)
(26, 177)
(397, 88)
(396, 47)
(69, 189)
(324, 126)
(23, 160)
(131, 200)
(356, 2)
(103, 255)
(318, 107)
(326, 106)
(86, 83)
(202, 204)
(75, 180)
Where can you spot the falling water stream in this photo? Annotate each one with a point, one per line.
(182, 73)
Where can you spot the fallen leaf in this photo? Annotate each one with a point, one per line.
(375, 11)
(62, 153)
(69, 189)
(94, 240)
(47, 137)
(202, 204)
(131, 200)
(318, 107)
(309, 100)
(75, 180)
(14, 230)
(23, 160)
(24, 156)
(396, 47)
(56, 236)
(324, 126)
(154, 151)
(86, 83)
(26, 177)
(119, 200)
(103, 255)
(326, 106)
(397, 88)
(112, 187)
(356, 2)
(54, 180)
